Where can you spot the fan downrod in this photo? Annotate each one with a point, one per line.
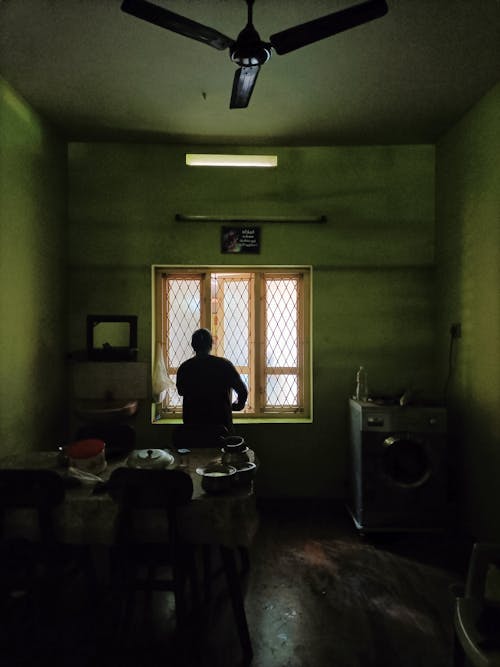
(249, 50)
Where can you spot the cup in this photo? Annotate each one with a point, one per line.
(183, 458)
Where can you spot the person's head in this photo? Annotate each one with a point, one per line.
(202, 341)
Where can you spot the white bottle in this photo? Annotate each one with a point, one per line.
(362, 384)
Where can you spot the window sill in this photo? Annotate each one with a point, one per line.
(236, 422)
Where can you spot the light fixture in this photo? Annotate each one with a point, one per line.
(218, 160)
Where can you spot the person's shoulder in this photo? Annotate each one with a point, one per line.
(225, 366)
(221, 360)
(186, 363)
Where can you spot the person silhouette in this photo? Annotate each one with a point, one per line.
(206, 383)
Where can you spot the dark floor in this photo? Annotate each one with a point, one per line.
(318, 594)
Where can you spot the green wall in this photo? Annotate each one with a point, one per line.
(32, 278)
(468, 260)
(374, 289)
(373, 282)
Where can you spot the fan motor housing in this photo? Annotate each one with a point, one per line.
(249, 49)
(248, 57)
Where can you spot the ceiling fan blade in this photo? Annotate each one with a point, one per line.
(326, 26)
(243, 84)
(176, 23)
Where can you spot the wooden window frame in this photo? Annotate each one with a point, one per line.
(258, 275)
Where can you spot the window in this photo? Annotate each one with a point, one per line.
(259, 319)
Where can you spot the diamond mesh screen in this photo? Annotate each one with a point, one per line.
(183, 318)
(282, 390)
(281, 342)
(233, 341)
(231, 321)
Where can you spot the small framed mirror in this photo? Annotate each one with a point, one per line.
(112, 337)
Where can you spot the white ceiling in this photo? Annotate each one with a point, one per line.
(97, 72)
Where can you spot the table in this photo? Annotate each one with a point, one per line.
(229, 519)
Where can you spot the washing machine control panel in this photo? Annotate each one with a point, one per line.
(375, 421)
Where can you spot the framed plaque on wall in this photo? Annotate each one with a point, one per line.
(240, 240)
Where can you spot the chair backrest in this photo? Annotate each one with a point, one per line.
(39, 490)
(136, 489)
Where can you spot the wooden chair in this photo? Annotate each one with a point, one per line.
(138, 559)
(134, 563)
(34, 565)
(477, 612)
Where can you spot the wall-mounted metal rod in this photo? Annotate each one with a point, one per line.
(181, 217)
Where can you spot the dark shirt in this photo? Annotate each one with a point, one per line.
(206, 382)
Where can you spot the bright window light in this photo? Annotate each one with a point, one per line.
(213, 160)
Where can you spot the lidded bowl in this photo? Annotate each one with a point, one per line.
(234, 451)
(149, 459)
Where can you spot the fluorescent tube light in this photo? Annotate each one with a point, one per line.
(214, 160)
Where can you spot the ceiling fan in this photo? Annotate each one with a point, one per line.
(248, 50)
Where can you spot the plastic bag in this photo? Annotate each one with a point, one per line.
(161, 381)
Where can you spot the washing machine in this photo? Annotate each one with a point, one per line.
(399, 477)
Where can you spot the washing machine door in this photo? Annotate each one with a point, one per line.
(406, 462)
